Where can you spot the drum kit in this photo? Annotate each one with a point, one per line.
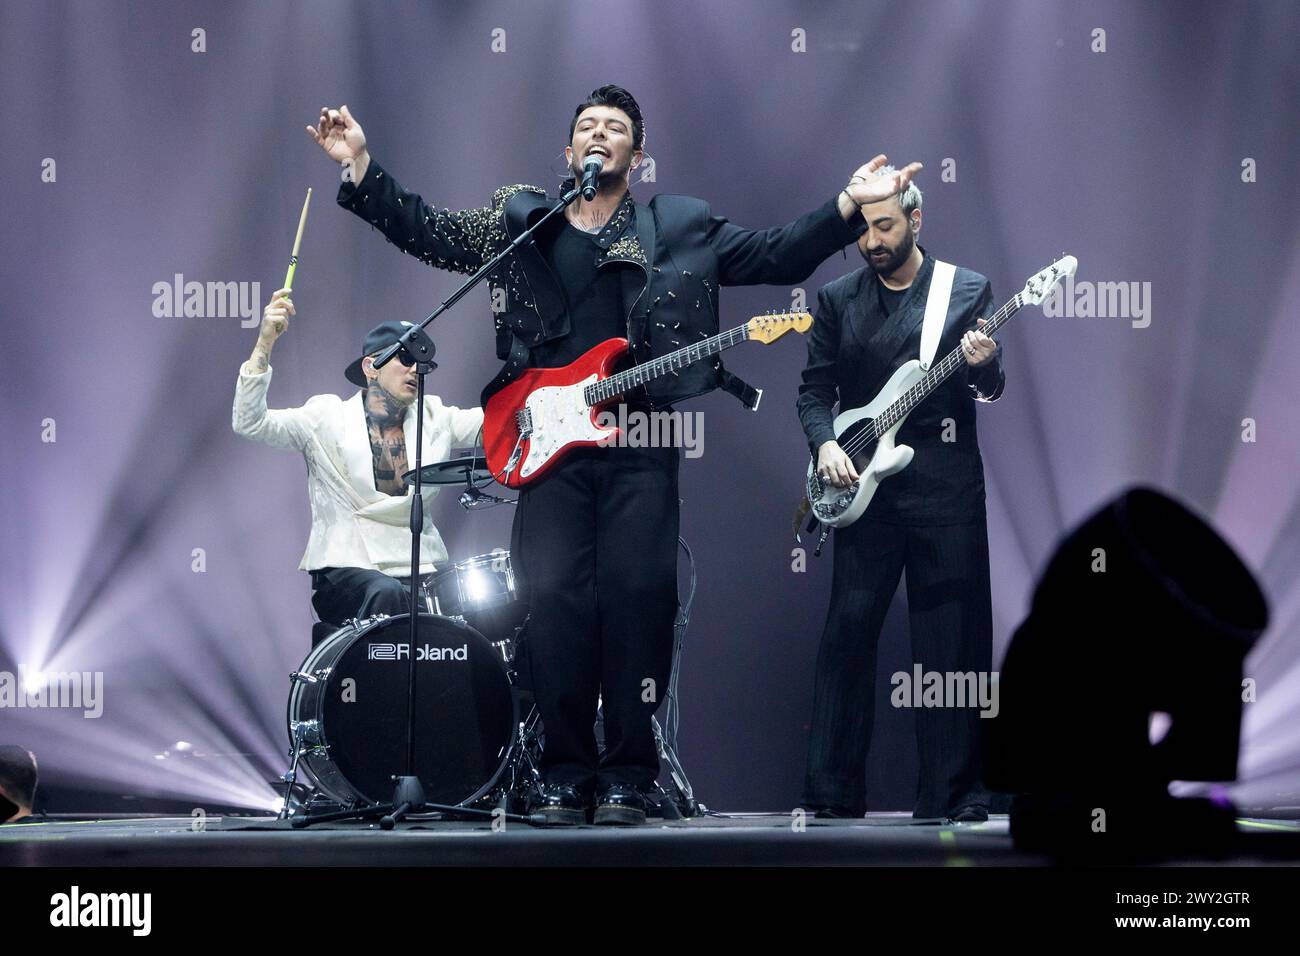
(474, 733)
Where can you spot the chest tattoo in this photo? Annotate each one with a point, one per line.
(387, 440)
(388, 454)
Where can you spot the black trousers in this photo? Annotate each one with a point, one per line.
(342, 593)
(951, 625)
(594, 546)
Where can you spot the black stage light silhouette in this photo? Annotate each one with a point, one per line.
(18, 778)
(1143, 609)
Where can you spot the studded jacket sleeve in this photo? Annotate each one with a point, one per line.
(442, 238)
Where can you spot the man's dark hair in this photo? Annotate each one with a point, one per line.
(18, 773)
(619, 98)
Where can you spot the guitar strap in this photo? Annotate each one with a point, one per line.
(516, 362)
(735, 385)
(936, 310)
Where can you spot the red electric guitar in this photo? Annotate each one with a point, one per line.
(532, 422)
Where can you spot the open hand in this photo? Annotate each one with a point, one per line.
(865, 186)
(340, 136)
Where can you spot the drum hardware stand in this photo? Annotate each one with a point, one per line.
(303, 799)
(299, 748)
(412, 801)
(524, 774)
(683, 802)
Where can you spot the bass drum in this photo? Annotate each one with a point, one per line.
(348, 710)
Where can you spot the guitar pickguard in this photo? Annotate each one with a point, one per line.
(560, 416)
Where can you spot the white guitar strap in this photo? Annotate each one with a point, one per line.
(936, 310)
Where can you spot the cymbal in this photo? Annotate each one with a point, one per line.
(454, 471)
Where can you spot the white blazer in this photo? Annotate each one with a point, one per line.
(354, 525)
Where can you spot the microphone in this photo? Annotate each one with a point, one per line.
(472, 498)
(590, 170)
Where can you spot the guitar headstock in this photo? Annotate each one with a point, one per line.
(1041, 284)
(768, 328)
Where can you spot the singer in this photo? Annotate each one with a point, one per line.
(359, 551)
(595, 542)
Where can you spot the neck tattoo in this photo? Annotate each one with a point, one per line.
(588, 220)
(383, 408)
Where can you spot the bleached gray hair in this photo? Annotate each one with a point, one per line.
(909, 198)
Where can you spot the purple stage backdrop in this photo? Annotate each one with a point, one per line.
(155, 144)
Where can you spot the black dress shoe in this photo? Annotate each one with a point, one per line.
(835, 813)
(620, 804)
(561, 805)
(970, 813)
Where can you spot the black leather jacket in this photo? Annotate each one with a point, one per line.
(673, 255)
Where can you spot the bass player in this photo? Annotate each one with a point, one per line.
(927, 520)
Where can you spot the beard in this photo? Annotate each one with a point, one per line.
(889, 263)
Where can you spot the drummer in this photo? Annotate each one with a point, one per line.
(359, 551)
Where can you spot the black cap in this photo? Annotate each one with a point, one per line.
(377, 339)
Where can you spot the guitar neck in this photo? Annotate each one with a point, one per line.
(622, 382)
(902, 406)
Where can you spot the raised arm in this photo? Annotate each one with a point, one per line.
(791, 253)
(288, 428)
(780, 255)
(439, 237)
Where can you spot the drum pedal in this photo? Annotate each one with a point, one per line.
(668, 808)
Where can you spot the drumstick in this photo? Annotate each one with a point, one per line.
(297, 241)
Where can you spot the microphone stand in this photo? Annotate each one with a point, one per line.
(408, 793)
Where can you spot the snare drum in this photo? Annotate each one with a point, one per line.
(348, 710)
(482, 592)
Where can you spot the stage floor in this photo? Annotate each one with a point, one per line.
(742, 839)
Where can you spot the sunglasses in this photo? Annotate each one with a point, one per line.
(403, 356)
